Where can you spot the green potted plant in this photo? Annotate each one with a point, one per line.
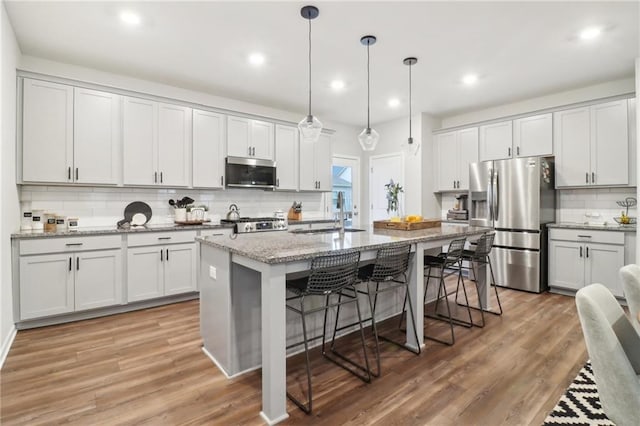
(393, 202)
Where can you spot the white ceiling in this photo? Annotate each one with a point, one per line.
(519, 49)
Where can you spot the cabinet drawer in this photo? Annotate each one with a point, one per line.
(215, 232)
(69, 244)
(153, 238)
(587, 236)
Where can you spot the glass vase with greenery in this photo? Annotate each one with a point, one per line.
(393, 198)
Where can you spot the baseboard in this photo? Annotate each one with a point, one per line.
(6, 345)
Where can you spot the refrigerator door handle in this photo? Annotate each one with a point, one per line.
(490, 196)
(496, 196)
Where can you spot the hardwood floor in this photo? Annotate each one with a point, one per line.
(147, 367)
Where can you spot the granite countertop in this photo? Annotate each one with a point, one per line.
(612, 227)
(310, 221)
(101, 230)
(282, 247)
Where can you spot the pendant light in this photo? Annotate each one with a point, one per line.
(410, 146)
(310, 127)
(369, 137)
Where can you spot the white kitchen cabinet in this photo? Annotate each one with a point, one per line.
(180, 269)
(633, 142)
(317, 159)
(496, 141)
(46, 285)
(592, 145)
(96, 137)
(98, 279)
(456, 150)
(47, 132)
(533, 136)
(287, 153)
(156, 143)
(250, 138)
(581, 257)
(208, 149)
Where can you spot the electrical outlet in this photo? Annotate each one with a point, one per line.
(213, 272)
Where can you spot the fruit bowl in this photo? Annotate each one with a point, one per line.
(631, 220)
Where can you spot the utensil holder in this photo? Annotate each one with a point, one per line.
(180, 215)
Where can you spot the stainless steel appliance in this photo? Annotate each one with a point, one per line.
(245, 225)
(517, 198)
(459, 212)
(250, 173)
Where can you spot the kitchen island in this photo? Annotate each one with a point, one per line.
(242, 294)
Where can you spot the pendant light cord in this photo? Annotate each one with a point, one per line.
(368, 94)
(309, 66)
(410, 65)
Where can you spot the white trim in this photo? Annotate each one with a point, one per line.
(268, 421)
(6, 345)
(403, 169)
(232, 376)
(358, 171)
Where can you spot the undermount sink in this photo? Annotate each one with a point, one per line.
(323, 230)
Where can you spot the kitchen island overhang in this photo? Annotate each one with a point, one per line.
(243, 294)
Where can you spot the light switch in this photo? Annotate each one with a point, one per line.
(213, 272)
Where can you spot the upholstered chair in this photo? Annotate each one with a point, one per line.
(631, 283)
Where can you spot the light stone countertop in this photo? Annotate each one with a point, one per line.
(282, 247)
(101, 230)
(612, 227)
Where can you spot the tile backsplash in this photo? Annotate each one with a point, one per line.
(575, 204)
(105, 206)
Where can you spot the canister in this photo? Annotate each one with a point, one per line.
(72, 223)
(37, 220)
(27, 219)
(49, 222)
(61, 223)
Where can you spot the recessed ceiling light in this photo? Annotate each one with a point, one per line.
(337, 84)
(130, 18)
(590, 33)
(470, 79)
(394, 102)
(256, 59)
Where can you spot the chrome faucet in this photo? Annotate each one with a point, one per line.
(340, 205)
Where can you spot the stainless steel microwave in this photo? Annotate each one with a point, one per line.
(250, 173)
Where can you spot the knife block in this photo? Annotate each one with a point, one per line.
(292, 215)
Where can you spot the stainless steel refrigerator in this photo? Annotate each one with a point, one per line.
(517, 198)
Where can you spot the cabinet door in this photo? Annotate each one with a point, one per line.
(307, 171)
(140, 127)
(96, 140)
(144, 273)
(286, 157)
(448, 161)
(324, 162)
(633, 143)
(179, 269)
(572, 145)
(533, 136)
(603, 261)
(566, 264)
(98, 279)
(46, 285)
(208, 149)
(238, 136)
(468, 153)
(47, 132)
(261, 140)
(174, 145)
(610, 143)
(496, 141)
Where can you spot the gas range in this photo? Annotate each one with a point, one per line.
(257, 224)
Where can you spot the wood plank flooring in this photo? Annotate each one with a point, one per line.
(147, 368)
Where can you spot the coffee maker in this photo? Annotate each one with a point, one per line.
(459, 211)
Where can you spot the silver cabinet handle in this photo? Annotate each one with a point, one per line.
(68, 173)
(164, 238)
(155, 177)
(77, 263)
(69, 263)
(509, 151)
(249, 151)
(167, 255)
(586, 178)
(73, 244)
(221, 180)
(517, 150)
(161, 255)
(584, 236)
(587, 251)
(593, 177)
(76, 173)
(580, 251)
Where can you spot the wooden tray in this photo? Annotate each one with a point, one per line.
(406, 226)
(191, 222)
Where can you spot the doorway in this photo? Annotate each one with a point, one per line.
(382, 169)
(346, 178)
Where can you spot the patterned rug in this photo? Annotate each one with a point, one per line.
(580, 404)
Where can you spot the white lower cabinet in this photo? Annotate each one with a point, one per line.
(98, 279)
(578, 258)
(161, 270)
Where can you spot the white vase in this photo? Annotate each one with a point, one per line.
(180, 215)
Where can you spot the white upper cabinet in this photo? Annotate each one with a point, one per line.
(96, 137)
(287, 157)
(47, 132)
(250, 138)
(533, 136)
(496, 141)
(592, 145)
(468, 153)
(316, 160)
(156, 140)
(455, 151)
(633, 142)
(208, 149)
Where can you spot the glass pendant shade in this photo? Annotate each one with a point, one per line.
(310, 128)
(410, 146)
(368, 139)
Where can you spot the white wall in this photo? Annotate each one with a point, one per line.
(431, 203)
(603, 90)
(9, 210)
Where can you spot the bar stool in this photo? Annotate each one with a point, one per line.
(481, 256)
(388, 273)
(452, 261)
(330, 275)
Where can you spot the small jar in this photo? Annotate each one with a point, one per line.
(61, 223)
(49, 222)
(72, 223)
(37, 220)
(27, 219)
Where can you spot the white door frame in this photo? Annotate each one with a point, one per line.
(376, 157)
(358, 175)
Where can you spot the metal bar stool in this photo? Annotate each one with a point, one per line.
(330, 275)
(452, 261)
(388, 273)
(480, 256)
